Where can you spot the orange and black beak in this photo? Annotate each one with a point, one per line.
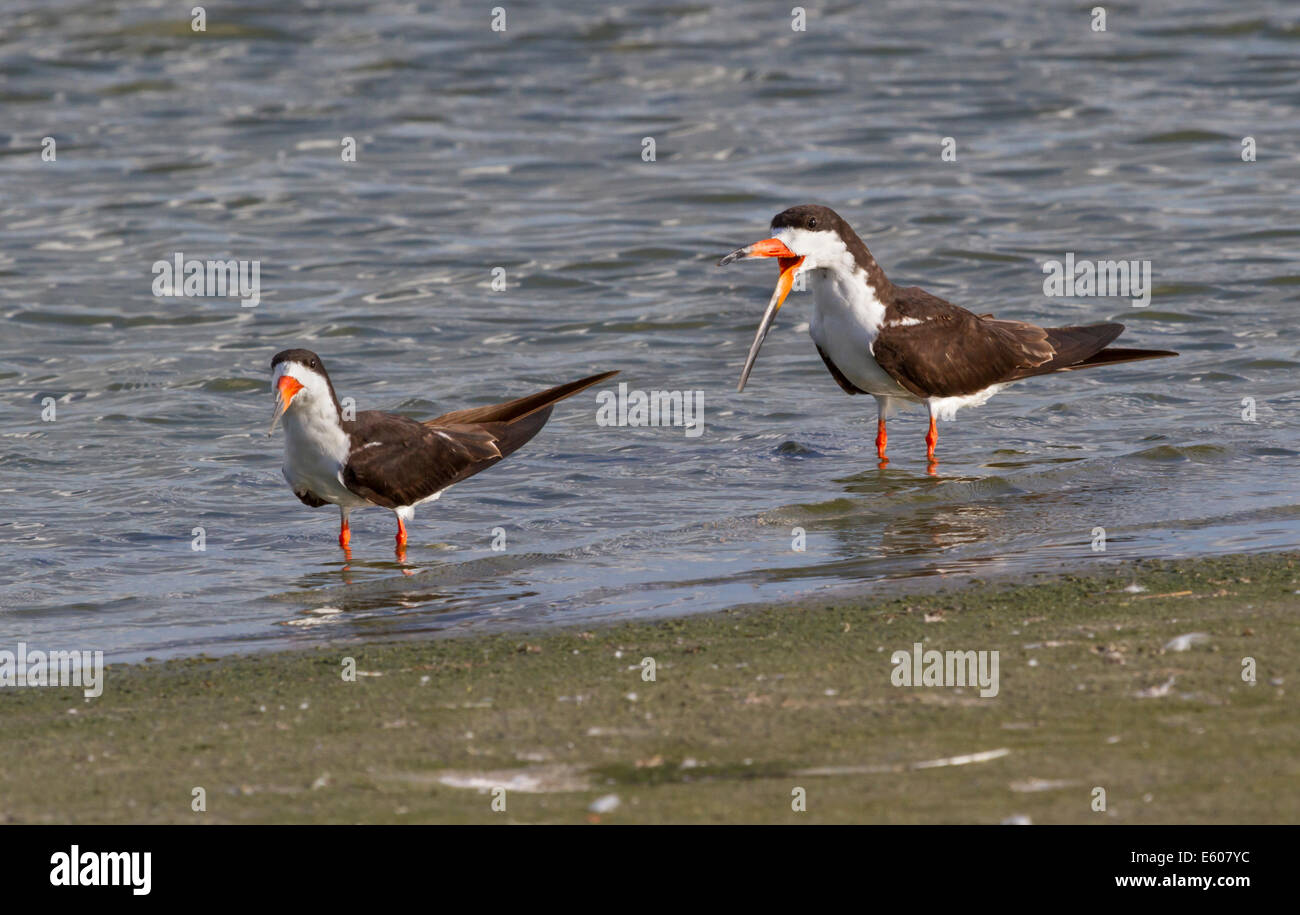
(285, 391)
(789, 263)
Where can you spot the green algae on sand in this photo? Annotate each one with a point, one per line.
(1127, 680)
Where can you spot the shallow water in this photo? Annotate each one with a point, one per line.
(522, 150)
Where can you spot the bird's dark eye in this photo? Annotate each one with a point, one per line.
(312, 364)
(812, 222)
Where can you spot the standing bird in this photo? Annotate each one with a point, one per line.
(902, 345)
(385, 459)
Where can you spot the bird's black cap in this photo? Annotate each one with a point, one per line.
(302, 356)
(809, 216)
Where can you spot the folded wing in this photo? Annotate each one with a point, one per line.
(936, 349)
(398, 461)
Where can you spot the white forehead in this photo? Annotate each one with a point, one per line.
(309, 379)
(823, 246)
(292, 369)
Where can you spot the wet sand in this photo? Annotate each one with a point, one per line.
(747, 706)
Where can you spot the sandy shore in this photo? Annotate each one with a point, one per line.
(746, 707)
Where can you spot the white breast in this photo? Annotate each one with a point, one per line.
(846, 319)
(315, 452)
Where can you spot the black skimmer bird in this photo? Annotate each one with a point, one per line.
(388, 460)
(902, 345)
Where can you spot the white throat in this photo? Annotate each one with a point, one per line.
(846, 296)
(847, 316)
(315, 446)
(315, 424)
(839, 285)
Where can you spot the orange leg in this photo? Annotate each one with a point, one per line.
(345, 534)
(931, 439)
(882, 439)
(401, 542)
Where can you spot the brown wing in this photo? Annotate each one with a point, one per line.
(398, 461)
(936, 349)
(517, 409)
(1074, 345)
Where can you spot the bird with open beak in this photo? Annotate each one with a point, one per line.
(789, 262)
(900, 344)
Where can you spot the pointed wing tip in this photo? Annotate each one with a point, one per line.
(583, 383)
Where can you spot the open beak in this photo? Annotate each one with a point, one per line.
(285, 390)
(789, 263)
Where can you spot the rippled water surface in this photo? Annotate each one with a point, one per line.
(523, 150)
